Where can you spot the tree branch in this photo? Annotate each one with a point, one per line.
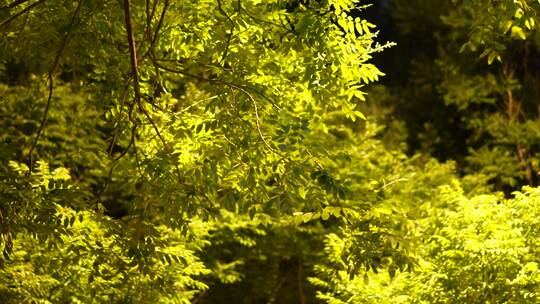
(51, 83)
(211, 80)
(119, 117)
(226, 50)
(10, 19)
(233, 86)
(250, 15)
(13, 4)
(132, 52)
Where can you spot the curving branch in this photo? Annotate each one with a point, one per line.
(250, 15)
(210, 80)
(119, 117)
(232, 86)
(51, 83)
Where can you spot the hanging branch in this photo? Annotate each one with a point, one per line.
(149, 16)
(135, 71)
(132, 53)
(153, 39)
(228, 42)
(51, 82)
(135, 75)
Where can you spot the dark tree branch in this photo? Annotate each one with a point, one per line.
(135, 68)
(119, 117)
(131, 141)
(159, 25)
(28, 8)
(154, 38)
(132, 52)
(135, 72)
(137, 92)
(150, 12)
(250, 15)
(13, 4)
(51, 83)
(226, 50)
(149, 16)
(210, 80)
(230, 85)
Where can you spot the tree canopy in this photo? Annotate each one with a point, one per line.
(246, 151)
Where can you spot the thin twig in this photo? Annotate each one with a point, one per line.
(197, 102)
(51, 83)
(393, 182)
(153, 39)
(212, 80)
(226, 50)
(258, 123)
(231, 85)
(28, 8)
(131, 141)
(119, 117)
(149, 16)
(160, 24)
(166, 146)
(104, 189)
(137, 159)
(262, 20)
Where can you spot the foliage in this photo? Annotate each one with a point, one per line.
(92, 261)
(221, 151)
(456, 104)
(475, 250)
(221, 106)
(493, 24)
